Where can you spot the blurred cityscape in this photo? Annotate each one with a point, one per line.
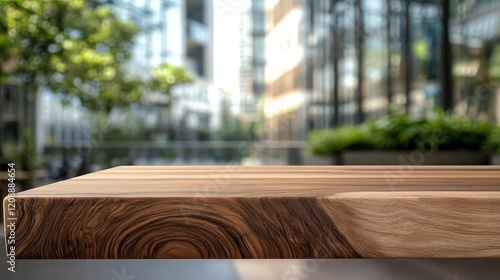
(90, 84)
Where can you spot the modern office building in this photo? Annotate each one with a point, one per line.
(344, 61)
(152, 44)
(475, 43)
(194, 114)
(285, 93)
(198, 36)
(252, 56)
(365, 55)
(247, 99)
(177, 32)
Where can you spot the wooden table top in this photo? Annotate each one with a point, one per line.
(264, 212)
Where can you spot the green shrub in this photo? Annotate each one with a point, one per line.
(459, 132)
(397, 132)
(401, 132)
(326, 142)
(492, 144)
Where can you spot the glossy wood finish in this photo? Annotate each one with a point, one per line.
(265, 212)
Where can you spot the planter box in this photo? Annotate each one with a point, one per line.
(412, 158)
(402, 158)
(309, 159)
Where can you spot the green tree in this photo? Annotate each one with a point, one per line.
(165, 76)
(77, 49)
(72, 49)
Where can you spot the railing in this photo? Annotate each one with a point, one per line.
(76, 159)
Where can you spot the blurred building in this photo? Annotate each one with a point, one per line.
(198, 16)
(13, 106)
(177, 32)
(252, 56)
(285, 97)
(197, 110)
(247, 99)
(475, 41)
(342, 62)
(285, 91)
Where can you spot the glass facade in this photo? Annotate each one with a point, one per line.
(475, 43)
(12, 114)
(151, 44)
(362, 55)
(252, 56)
(258, 47)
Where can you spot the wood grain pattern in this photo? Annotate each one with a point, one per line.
(265, 212)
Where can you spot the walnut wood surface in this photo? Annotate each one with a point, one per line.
(265, 212)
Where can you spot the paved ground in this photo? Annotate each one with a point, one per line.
(250, 269)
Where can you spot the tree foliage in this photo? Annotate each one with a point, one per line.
(165, 76)
(75, 50)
